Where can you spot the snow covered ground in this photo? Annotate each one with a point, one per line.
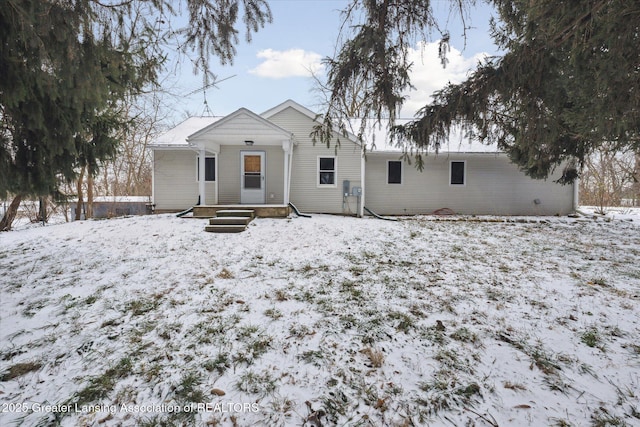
(152, 321)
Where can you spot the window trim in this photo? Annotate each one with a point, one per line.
(464, 173)
(335, 172)
(401, 172)
(215, 170)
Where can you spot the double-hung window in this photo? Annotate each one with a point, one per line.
(327, 168)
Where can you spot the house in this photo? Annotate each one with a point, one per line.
(269, 159)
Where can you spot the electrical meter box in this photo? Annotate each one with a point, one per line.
(356, 191)
(346, 184)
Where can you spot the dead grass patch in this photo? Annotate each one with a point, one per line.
(20, 369)
(225, 274)
(375, 356)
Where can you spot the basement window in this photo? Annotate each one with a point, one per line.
(457, 172)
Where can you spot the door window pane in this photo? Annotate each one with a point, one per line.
(252, 164)
(252, 181)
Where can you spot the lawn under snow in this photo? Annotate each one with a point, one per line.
(339, 320)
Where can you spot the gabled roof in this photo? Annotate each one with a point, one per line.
(289, 103)
(195, 127)
(456, 144)
(177, 136)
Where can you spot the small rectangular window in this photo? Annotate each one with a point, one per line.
(394, 172)
(457, 173)
(209, 169)
(327, 171)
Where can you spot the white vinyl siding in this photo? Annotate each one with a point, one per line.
(175, 185)
(305, 192)
(494, 186)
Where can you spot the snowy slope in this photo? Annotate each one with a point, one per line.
(351, 321)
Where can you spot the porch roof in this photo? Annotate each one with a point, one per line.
(238, 128)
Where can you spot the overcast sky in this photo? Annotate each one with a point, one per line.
(276, 65)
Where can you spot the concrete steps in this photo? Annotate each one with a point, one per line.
(263, 211)
(248, 213)
(230, 221)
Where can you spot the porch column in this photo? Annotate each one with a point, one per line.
(217, 156)
(201, 175)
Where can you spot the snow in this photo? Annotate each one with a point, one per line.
(178, 135)
(379, 141)
(446, 321)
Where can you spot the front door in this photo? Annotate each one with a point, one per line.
(252, 177)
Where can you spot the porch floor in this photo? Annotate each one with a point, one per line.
(264, 211)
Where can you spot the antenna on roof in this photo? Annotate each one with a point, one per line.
(207, 111)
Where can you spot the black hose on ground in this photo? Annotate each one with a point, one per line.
(378, 216)
(298, 212)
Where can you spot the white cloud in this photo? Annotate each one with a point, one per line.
(288, 63)
(428, 75)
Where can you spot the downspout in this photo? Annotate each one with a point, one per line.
(290, 155)
(153, 178)
(286, 146)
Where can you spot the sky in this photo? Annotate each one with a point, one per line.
(275, 65)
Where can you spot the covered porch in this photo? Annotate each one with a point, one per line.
(243, 160)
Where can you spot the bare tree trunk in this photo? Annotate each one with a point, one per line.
(80, 197)
(105, 178)
(89, 195)
(636, 180)
(42, 212)
(10, 214)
